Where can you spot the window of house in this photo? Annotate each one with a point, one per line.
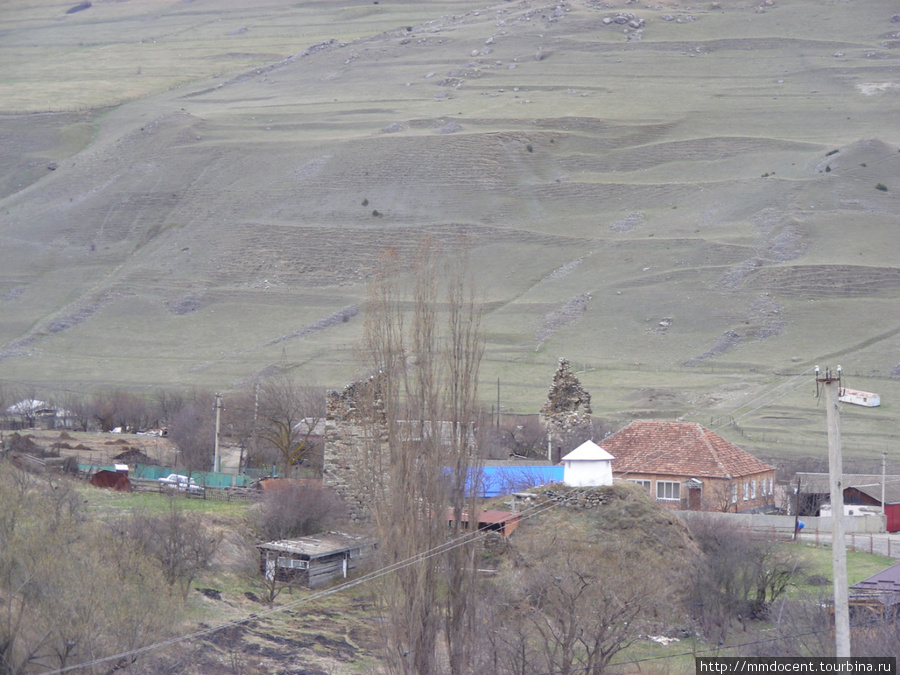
(734, 493)
(290, 563)
(668, 490)
(753, 489)
(646, 484)
(746, 491)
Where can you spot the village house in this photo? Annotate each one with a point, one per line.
(313, 561)
(686, 466)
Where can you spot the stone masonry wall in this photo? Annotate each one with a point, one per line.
(567, 411)
(354, 425)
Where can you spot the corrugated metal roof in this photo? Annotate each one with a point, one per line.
(887, 581)
(891, 491)
(817, 483)
(317, 546)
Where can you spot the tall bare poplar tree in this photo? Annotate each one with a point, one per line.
(422, 341)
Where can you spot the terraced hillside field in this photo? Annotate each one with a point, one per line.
(694, 200)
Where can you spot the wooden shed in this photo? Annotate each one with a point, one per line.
(503, 522)
(315, 560)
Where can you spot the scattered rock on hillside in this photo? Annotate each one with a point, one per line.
(186, 305)
(571, 310)
(392, 128)
(449, 128)
(628, 223)
(81, 6)
(723, 343)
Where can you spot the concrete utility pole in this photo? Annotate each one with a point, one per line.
(832, 384)
(216, 460)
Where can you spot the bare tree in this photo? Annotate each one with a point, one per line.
(421, 452)
(192, 430)
(736, 576)
(588, 602)
(288, 414)
(523, 437)
(56, 572)
(178, 542)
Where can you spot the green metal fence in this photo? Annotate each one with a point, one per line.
(152, 472)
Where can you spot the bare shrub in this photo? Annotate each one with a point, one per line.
(178, 542)
(737, 576)
(294, 509)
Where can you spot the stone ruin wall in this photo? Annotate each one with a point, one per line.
(568, 408)
(349, 431)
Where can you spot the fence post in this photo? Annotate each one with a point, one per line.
(871, 546)
(889, 546)
(852, 541)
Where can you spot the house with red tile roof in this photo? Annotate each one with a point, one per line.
(686, 466)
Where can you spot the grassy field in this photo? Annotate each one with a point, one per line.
(662, 206)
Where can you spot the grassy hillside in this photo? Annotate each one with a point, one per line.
(687, 210)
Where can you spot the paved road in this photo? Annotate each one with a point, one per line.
(885, 544)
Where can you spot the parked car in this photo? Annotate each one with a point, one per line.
(175, 481)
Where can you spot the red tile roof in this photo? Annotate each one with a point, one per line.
(678, 449)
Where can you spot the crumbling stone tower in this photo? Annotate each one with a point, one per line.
(355, 427)
(567, 412)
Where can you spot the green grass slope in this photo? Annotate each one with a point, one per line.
(662, 205)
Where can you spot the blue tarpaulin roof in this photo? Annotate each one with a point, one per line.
(504, 480)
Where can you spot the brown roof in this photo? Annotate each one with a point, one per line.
(678, 449)
(886, 580)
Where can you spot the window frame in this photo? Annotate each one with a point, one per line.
(672, 487)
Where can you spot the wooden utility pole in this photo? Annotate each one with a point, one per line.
(216, 460)
(832, 384)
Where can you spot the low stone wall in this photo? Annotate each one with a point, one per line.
(579, 499)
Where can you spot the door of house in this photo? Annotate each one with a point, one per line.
(695, 498)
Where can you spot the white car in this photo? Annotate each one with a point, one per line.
(175, 481)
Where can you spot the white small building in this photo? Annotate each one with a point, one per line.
(588, 465)
(857, 397)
